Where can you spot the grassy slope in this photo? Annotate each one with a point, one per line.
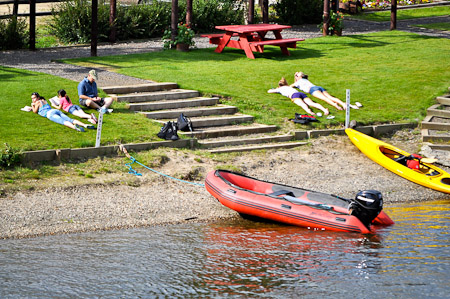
(396, 76)
(393, 74)
(29, 131)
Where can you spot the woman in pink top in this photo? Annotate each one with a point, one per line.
(66, 104)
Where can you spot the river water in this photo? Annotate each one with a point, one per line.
(237, 258)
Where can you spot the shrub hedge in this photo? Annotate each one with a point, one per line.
(13, 34)
(139, 20)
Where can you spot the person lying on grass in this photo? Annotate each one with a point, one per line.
(302, 83)
(40, 106)
(297, 97)
(66, 104)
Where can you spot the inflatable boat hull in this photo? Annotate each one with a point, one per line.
(286, 204)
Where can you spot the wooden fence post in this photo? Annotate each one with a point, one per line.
(393, 14)
(32, 25)
(94, 29)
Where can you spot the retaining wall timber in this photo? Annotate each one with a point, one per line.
(93, 152)
(368, 130)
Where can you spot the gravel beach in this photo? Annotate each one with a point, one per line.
(330, 164)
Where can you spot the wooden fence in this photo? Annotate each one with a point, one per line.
(32, 14)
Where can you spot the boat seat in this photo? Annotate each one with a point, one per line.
(282, 192)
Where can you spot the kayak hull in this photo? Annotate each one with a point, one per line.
(313, 210)
(383, 153)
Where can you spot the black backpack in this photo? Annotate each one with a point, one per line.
(168, 131)
(303, 119)
(184, 123)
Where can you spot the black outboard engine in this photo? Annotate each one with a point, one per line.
(366, 206)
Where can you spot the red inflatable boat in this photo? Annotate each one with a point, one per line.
(296, 206)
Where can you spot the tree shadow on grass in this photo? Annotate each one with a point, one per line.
(12, 74)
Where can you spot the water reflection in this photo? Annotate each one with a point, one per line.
(237, 258)
(262, 257)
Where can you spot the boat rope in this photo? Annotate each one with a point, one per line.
(132, 171)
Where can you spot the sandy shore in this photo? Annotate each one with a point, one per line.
(330, 164)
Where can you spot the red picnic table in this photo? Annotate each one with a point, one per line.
(251, 38)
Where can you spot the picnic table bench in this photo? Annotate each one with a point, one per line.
(251, 38)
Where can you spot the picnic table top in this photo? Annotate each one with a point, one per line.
(252, 27)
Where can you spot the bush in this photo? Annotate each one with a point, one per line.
(13, 34)
(294, 12)
(142, 21)
(139, 20)
(9, 156)
(206, 14)
(71, 29)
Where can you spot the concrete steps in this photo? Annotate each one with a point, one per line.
(216, 121)
(156, 96)
(208, 132)
(195, 112)
(173, 104)
(436, 125)
(227, 130)
(148, 87)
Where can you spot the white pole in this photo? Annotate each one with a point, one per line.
(99, 129)
(347, 111)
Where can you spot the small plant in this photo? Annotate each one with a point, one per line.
(336, 23)
(9, 157)
(185, 35)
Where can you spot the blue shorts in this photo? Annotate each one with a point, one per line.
(297, 95)
(316, 88)
(73, 108)
(58, 117)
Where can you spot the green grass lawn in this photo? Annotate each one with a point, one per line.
(395, 75)
(29, 131)
(405, 14)
(435, 26)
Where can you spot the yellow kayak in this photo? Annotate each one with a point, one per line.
(427, 174)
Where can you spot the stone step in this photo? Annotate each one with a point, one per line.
(244, 141)
(439, 111)
(435, 136)
(257, 147)
(204, 133)
(157, 96)
(436, 123)
(193, 112)
(444, 100)
(201, 122)
(173, 104)
(146, 87)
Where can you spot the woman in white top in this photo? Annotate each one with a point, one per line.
(302, 82)
(298, 98)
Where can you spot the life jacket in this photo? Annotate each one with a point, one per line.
(413, 161)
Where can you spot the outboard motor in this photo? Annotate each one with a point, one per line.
(366, 206)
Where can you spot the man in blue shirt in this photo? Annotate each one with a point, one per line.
(88, 94)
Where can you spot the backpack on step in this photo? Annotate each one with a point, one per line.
(168, 131)
(184, 123)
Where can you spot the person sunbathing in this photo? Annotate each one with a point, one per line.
(299, 98)
(302, 83)
(40, 106)
(66, 104)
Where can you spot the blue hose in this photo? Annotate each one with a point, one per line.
(132, 171)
